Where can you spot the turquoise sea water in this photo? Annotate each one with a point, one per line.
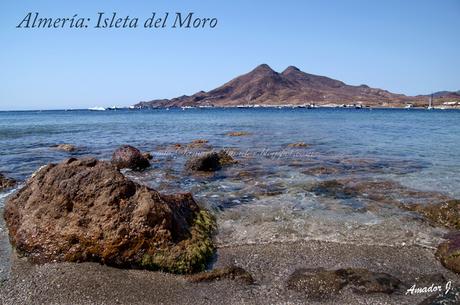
(265, 197)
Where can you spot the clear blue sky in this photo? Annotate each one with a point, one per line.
(410, 47)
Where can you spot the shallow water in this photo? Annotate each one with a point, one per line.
(266, 197)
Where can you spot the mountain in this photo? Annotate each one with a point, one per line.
(446, 94)
(264, 86)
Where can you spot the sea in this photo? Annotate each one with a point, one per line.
(274, 192)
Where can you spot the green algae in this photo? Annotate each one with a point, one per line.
(189, 255)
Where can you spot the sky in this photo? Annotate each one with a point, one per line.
(409, 47)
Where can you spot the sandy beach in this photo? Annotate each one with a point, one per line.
(270, 265)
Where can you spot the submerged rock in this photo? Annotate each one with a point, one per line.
(333, 188)
(346, 167)
(128, 156)
(210, 162)
(232, 273)
(238, 133)
(319, 282)
(435, 207)
(298, 145)
(66, 147)
(322, 170)
(316, 283)
(86, 210)
(199, 143)
(6, 183)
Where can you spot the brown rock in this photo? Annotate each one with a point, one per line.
(445, 213)
(238, 134)
(206, 163)
(365, 281)
(232, 272)
(128, 156)
(318, 282)
(209, 162)
(86, 210)
(334, 188)
(321, 170)
(147, 155)
(448, 252)
(225, 159)
(200, 143)
(6, 183)
(66, 147)
(298, 145)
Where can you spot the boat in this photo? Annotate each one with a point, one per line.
(96, 109)
(430, 103)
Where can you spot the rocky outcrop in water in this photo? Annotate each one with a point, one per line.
(210, 162)
(298, 145)
(65, 147)
(6, 183)
(128, 156)
(319, 282)
(86, 210)
(238, 134)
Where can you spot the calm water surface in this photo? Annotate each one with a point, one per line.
(265, 197)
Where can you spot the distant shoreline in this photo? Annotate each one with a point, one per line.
(281, 107)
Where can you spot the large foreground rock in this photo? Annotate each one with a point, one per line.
(86, 210)
(128, 156)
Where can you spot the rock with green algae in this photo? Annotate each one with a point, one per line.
(86, 210)
(189, 256)
(446, 213)
(448, 252)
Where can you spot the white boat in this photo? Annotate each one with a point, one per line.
(96, 109)
(430, 104)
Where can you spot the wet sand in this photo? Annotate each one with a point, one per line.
(270, 265)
